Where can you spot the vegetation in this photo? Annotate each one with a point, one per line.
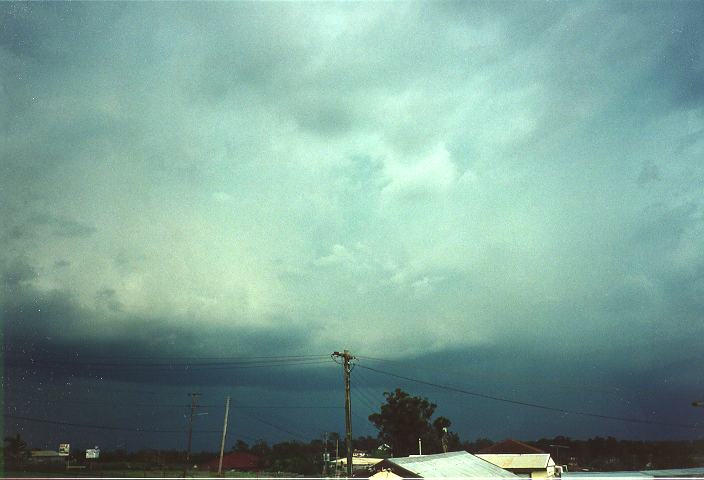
(404, 419)
(401, 420)
(609, 454)
(14, 450)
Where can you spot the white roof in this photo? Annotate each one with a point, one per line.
(671, 473)
(518, 460)
(384, 475)
(587, 475)
(44, 453)
(359, 460)
(452, 464)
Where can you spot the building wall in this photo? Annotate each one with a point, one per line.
(543, 474)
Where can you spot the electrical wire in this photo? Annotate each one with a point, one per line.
(102, 427)
(361, 399)
(528, 404)
(366, 383)
(610, 390)
(163, 405)
(298, 435)
(164, 358)
(148, 430)
(228, 364)
(364, 400)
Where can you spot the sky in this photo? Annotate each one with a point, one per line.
(504, 197)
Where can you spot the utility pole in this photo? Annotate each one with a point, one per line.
(346, 369)
(224, 432)
(557, 454)
(194, 405)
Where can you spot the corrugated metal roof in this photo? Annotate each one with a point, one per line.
(586, 475)
(518, 460)
(453, 464)
(676, 472)
(697, 472)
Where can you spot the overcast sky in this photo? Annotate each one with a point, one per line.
(509, 193)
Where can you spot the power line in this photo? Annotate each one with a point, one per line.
(356, 394)
(360, 396)
(608, 390)
(149, 430)
(164, 405)
(364, 381)
(528, 404)
(228, 364)
(298, 435)
(164, 358)
(101, 427)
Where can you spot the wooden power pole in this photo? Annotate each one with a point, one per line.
(194, 405)
(224, 433)
(346, 369)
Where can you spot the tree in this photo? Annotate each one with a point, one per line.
(240, 446)
(15, 449)
(403, 419)
(260, 448)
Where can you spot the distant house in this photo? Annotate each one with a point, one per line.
(234, 461)
(46, 457)
(531, 465)
(442, 465)
(359, 463)
(511, 446)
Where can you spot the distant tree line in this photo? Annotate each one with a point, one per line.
(609, 454)
(401, 421)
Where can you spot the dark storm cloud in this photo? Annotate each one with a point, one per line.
(62, 264)
(49, 334)
(64, 227)
(682, 64)
(43, 225)
(16, 273)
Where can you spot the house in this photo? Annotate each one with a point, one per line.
(47, 457)
(511, 446)
(442, 465)
(530, 465)
(359, 463)
(234, 461)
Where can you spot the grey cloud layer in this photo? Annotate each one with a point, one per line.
(436, 176)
